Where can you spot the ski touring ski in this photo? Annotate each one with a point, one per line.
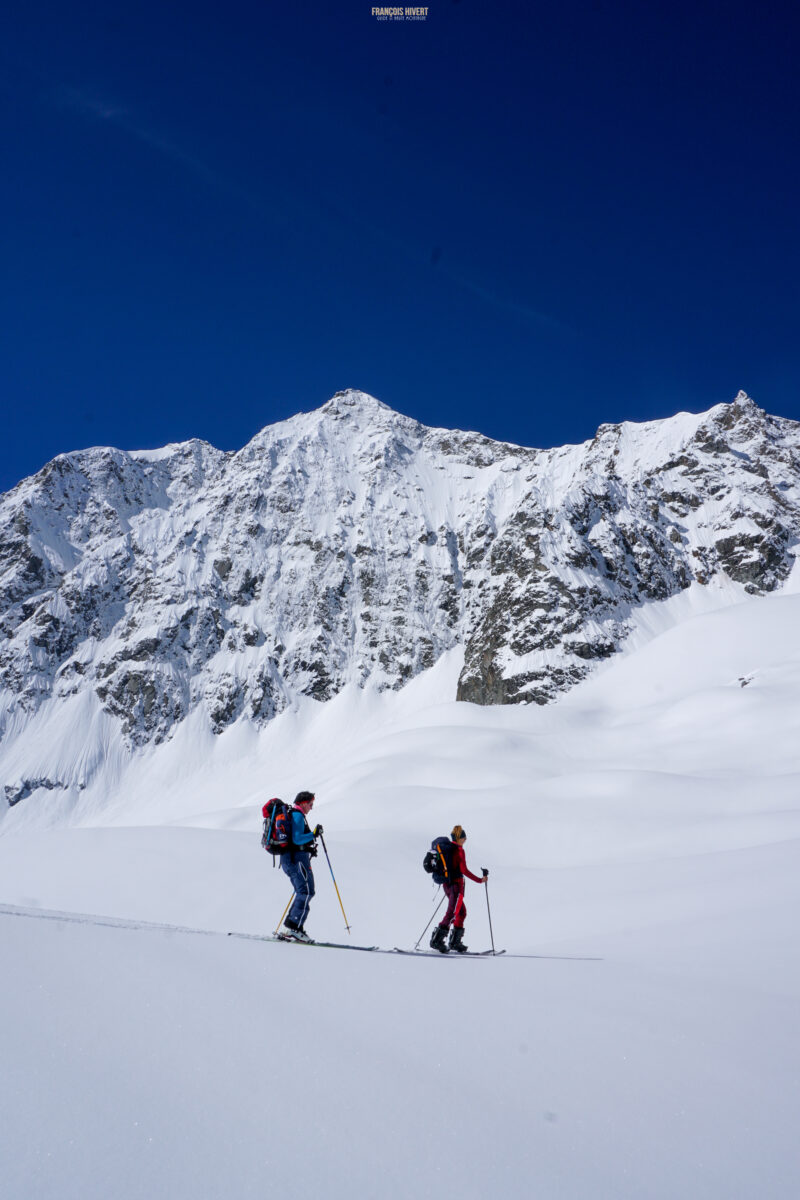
(462, 954)
(271, 937)
(497, 953)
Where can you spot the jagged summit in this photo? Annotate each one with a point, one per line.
(352, 544)
(357, 408)
(684, 423)
(351, 399)
(346, 416)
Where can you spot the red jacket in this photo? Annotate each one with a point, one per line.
(461, 866)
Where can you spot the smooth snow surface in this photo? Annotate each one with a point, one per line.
(643, 838)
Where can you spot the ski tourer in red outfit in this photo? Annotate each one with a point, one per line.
(457, 870)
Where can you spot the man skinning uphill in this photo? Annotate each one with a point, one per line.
(456, 913)
(297, 865)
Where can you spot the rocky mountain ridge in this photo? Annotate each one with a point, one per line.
(353, 543)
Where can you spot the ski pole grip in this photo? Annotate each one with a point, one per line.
(485, 873)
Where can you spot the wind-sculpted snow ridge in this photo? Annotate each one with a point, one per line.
(353, 544)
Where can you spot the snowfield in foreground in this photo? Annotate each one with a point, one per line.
(643, 837)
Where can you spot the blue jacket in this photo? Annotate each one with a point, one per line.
(301, 834)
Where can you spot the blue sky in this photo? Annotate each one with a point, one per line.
(525, 219)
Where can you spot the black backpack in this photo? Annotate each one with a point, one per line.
(277, 836)
(439, 861)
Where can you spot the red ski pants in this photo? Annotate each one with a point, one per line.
(456, 908)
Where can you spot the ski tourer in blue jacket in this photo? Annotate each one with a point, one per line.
(297, 865)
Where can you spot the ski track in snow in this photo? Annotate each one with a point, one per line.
(161, 927)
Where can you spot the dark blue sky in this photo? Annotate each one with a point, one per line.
(520, 218)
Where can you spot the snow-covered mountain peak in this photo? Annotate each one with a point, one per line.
(343, 424)
(192, 448)
(353, 544)
(629, 446)
(352, 401)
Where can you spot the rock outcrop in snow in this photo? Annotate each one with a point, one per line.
(353, 543)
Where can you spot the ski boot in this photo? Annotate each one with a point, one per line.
(457, 941)
(294, 933)
(439, 940)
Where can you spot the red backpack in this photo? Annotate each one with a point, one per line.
(277, 836)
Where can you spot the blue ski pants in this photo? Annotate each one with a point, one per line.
(301, 878)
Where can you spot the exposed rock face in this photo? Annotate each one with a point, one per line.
(354, 543)
(634, 515)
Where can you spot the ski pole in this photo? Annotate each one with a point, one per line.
(333, 877)
(291, 898)
(427, 927)
(488, 909)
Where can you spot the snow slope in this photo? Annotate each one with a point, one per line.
(643, 837)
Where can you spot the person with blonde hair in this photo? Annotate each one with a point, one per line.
(455, 871)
